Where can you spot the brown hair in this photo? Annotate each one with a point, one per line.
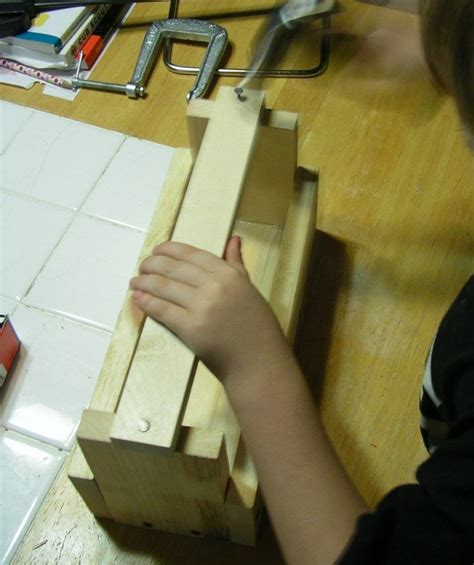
(447, 28)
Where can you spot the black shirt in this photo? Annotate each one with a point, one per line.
(432, 522)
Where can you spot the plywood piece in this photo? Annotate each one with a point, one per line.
(271, 175)
(243, 501)
(182, 493)
(83, 479)
(93, 438)
(162, 369)
(295, 250)
(130, 321)
(197, 117)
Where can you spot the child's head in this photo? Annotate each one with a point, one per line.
(448, 39)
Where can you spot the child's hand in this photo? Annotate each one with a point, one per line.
(211, 305)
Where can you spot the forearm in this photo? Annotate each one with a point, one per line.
(311, 502)
(212, 306)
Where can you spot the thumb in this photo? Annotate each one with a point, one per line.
(233, 254)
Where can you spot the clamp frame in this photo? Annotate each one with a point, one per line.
(240, 72)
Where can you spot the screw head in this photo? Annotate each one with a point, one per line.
(143, 425)
(240, 94)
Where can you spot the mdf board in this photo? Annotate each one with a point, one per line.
(160, 446)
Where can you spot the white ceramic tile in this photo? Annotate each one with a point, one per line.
(29, 230)
(54, 377)
(12, 119)
(87, 276)
(27, 470)
(7, 306)
(128, 190)
(56, 159)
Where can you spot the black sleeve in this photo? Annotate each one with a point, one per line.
(432, 522)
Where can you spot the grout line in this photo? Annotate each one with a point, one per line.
(49, 256)
(28, 436)
(16, 301)
(30, 198)
(69, 317)
(125, 137)
(113, 222)
(45, 156)
(74, 211)
(22, 126)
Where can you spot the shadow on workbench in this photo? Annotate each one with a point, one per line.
(326, 272)
(139, 545)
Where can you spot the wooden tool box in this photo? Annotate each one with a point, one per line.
(160, 446)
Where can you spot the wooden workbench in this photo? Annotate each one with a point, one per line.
(394, 245)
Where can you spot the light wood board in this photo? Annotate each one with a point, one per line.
(162, 369)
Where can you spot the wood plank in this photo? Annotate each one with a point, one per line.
(83, 479)
(183, 493)
(295, 250)
(197, 117)
(130, 321)
(243, 501)
(270, 180)
(93, 438)
(162, 369)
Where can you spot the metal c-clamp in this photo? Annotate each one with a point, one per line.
(188, 30)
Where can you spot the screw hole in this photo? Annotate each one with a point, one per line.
(147, 525)
(196, 532)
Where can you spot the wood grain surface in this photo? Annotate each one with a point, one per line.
(394, 245)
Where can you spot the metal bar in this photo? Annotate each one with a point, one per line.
(239, 72)
(61, 4)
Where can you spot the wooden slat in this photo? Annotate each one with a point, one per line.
(130, 321)
(162, 369)
(93, 437)
(270, 180)
(243, 501)
(295, 249)
(197, 117)
(83, 479)
(182, 493)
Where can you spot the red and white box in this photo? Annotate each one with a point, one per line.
(9, 347)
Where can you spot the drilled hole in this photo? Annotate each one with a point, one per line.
(196, 532)
(147, 525)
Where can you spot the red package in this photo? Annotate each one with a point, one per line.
(9, 346)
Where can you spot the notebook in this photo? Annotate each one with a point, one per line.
(50, 30)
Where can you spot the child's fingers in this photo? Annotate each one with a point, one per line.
(172, 316)
(164, 288)
(180, 271)
(190, 254)
(233, 253)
